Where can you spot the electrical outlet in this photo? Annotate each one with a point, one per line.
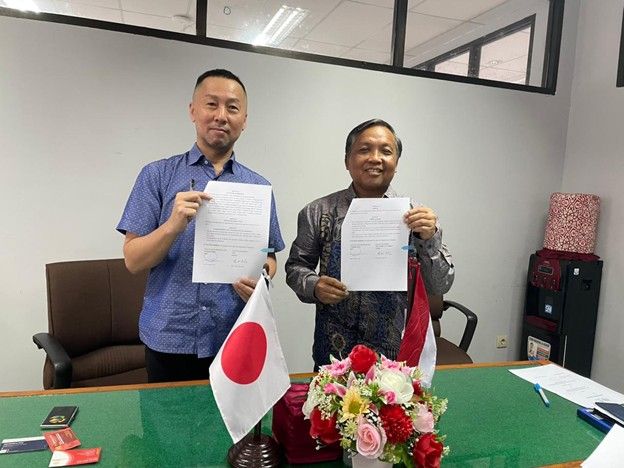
(501, 341)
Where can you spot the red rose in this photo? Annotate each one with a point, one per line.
(362, 358)
(428, 452)
(323, 429)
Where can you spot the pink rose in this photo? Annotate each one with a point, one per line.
(423, 422)
(370, 440)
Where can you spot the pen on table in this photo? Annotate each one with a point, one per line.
(192, 185)
(540, 391)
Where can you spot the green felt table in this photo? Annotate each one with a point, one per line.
(494, 419)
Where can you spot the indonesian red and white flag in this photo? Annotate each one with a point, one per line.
(249, 373)
(418, 346)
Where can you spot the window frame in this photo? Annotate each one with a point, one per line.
(551, 55)
(620, 72)
(474, 49)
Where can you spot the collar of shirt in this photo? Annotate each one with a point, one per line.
(195, 157)
(390, 193)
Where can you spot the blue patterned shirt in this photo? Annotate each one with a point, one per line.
(180, 316)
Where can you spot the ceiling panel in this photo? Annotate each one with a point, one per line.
(518, 64)
(228, 34)
(421, 28)
(157, 7)
(460, 35)
(99, 3)
(381, 3)
(501, 75)
(351, 23)
(454, 9)
(505, 49)
(47, 6)
(165, 23)
(368, 56)
(453, 68)
(88, 11)
(321, 48)
(238, 14)
(254, 15)
(380, 42)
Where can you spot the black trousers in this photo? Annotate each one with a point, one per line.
(168, 367)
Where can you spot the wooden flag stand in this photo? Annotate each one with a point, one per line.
(254, 450)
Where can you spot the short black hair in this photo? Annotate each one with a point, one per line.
(359, 129)
(221, 73)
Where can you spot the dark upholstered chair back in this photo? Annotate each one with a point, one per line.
(93, 313)
(450, 353)
(93, 303)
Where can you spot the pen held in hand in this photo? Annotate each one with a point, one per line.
(540, 392)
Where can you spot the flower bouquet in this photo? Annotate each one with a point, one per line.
(377, 409)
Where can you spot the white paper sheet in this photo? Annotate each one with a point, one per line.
(231, 232)
(610, 452)
(373, 257)
(569, 385)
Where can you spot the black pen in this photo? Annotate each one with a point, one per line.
(192, 185)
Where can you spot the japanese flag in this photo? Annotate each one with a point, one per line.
(249, 373)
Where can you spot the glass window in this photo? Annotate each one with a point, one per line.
(177, 16)
(494, 40)
(359, 30)
(620, 73)
(505, 39)
(507, 59)
(457, 65)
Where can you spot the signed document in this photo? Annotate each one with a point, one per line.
(231, 232)
(373, 254)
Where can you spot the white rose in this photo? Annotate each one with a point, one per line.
(392, 380)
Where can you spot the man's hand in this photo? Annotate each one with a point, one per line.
(422, 221)
(145, 252)
(185, 209)
(244, 287)
(329, 290)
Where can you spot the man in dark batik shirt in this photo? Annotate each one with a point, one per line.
(374, 318)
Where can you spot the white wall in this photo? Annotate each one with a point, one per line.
(594, 163)
(81, 110)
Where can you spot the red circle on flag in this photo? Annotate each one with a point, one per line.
(244, 353)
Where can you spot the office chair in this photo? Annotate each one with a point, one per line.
(450, 353)
(93, 335)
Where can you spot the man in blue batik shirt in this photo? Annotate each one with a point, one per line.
(183, 324)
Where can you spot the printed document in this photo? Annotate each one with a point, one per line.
(610, 452)
(569, 385)
(374, 245)
(231, 232)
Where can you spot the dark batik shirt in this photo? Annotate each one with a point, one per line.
(373, 318)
